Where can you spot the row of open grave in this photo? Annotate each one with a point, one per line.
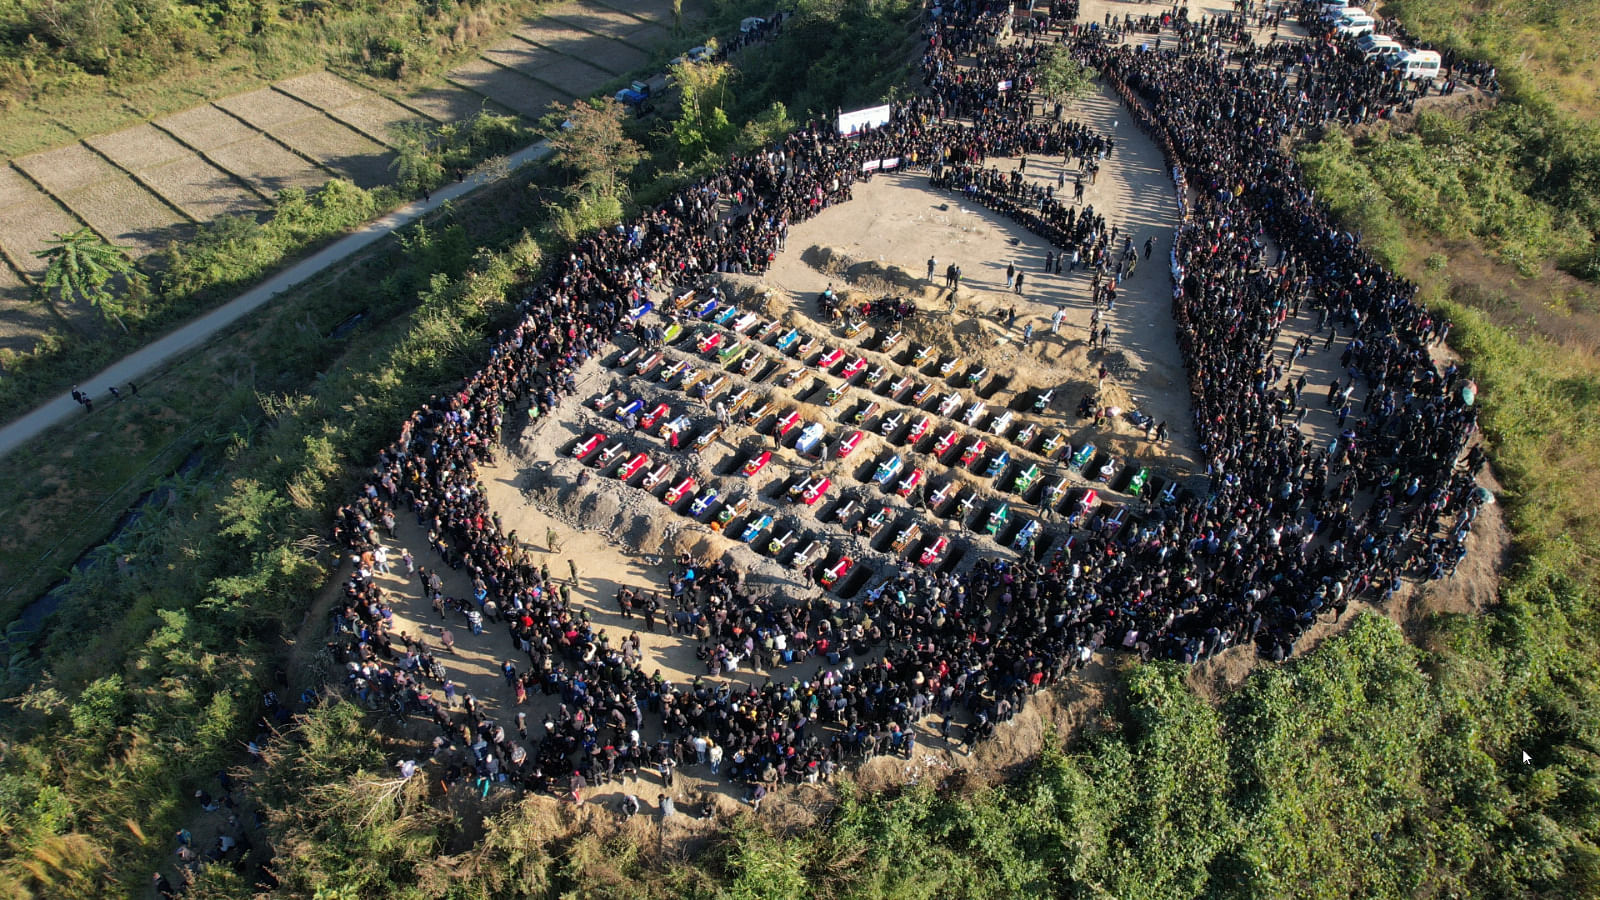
(720, 353)
(877, 503)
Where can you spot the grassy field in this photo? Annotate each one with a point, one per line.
(55, 90)
(1544, 49)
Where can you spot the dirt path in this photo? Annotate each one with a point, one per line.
(146, 363)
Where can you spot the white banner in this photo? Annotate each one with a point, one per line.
(1003, 86)
(892, 162)
(863, 120)
(870, 165)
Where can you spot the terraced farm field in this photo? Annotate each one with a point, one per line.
(145, 186)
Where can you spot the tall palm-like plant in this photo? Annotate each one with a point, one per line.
(84, 266)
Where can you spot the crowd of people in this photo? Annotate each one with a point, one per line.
(1287, 531)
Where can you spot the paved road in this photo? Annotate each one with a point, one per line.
(138, 365)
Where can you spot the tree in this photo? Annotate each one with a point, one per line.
(84, 266)
(416, 162)
(702, 125)
(593, 149)
(1063, 78)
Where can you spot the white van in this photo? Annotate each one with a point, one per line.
(1355, 25)
(1416, 64)
(1333, 9)
(1373, 45)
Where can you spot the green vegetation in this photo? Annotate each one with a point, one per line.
(597, 158)
(1371, 767)
(1543, 49)
(229, 254)
(84, 266)
(61, 59)
(853, 52)
(427, 155)
(1063, 78)
(156, 686)
(1518, 182)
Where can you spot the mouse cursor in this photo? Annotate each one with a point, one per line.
(1526, 759)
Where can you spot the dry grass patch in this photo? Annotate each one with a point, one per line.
(610, 23)
(67, 169)
(448, 103)
(201, 189)
(374, 116)
(205, 128)
(267, 109)
(518, 56)
(22, 320)
(176, 173)
(267, 166)
(15, 189)
(510, 89)
(548, 36)
(125, 212)
(138, 148)
(340, 148)
(576, 78)
(28, 220)
(324, 90)
(658, 12)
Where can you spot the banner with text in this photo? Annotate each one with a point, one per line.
(863, 120)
